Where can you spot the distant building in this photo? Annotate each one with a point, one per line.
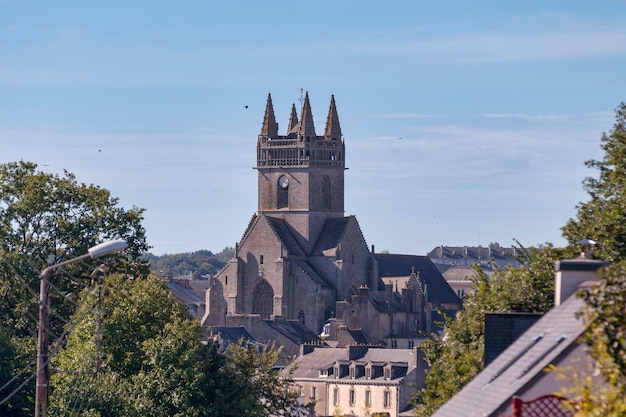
(470, 255)
(456, 263)
(357, 380)
(301, 263)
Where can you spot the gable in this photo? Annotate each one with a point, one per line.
(337, 232)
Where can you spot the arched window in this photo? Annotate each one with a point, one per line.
(301, 317)
(263, 299)
(326, 192)
(282, 193)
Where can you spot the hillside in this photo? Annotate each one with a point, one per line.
(199, 263)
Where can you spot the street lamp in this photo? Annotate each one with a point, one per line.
(41, 393)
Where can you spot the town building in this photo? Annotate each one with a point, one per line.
(301, 262)
(357, 380)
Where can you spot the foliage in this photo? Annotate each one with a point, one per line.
(603, 217)
(47, 218)
(457, 357)
(598, 388)
(198, 263)
(152, 362)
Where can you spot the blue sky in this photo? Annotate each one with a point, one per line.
(465, 122)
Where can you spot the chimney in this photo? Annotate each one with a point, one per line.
(570, 273)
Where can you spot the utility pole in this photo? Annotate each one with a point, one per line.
(43, 376)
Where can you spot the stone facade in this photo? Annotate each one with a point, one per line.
(301, 260)
(357, 380)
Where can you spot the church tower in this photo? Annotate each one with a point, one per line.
(301, 174)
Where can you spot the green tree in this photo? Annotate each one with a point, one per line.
(46, 218)
(603, 217)
(456, 356)
(598, 389)
(152, 361)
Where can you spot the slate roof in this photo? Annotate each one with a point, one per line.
(543, 343)
(283, 233)
(331, 234)
(317, 277)
(183, 294)
(234, 335)
(309, 365)
(293, 330)
(390, 265)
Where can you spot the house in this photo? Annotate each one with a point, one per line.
(357, 380)
(520, 371)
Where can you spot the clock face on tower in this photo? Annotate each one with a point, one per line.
(283, 182)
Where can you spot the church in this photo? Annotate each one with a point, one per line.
(303, 270)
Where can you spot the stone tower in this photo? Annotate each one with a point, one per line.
(300, 174)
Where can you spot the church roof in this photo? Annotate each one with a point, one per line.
(293, 330)
(317, 277)
(333, 129)
(331, 234)
(306, 127)
(293, 119)
(183, 294)
(391, 265)
(281, 229)
(270, 127)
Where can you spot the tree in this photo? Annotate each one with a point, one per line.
(44, 219)
(603, 217)
(152, 361)
(456, 356)
(598, 388)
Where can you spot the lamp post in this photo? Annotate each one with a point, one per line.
(41, 393)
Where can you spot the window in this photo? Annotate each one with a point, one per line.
(368, 397)
(387, 399)
(261, 259)
(387, 373)
(460, 293)
(313, 393)
(301, 317)
(336, 396)
(226, 280)
(368, 373)
(263, 299)
(411, 344)
(394, 344)
(282, 193)
(352, 396)
(352, 372)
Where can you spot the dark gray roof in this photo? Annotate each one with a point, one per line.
(281, 228)
(543, 343)
(234, 334)
(316, 276)
(183, 294)
(390, 265)
(331, 234)
(293, 330)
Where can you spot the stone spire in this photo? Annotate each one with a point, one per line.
(306, 122)
(333, 129)
(270, 127)
(293, 119)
